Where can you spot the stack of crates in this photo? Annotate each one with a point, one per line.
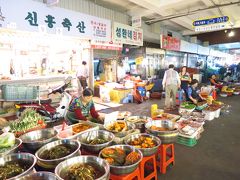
(190, 142)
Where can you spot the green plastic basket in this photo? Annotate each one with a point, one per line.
(19, 92)
(190, 142)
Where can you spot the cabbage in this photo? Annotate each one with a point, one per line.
(7, 140)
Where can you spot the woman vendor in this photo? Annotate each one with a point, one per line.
(192, 94)
(185, 79)
(214, 82)
(84, 109)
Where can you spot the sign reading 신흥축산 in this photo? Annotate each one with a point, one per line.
(34, 16)
(125, 34)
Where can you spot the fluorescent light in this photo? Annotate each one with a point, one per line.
(231, 34)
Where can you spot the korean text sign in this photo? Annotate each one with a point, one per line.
(127, 34)
(33, 16)
(170, 43)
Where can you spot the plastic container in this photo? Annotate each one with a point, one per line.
(154, 108)
(142, 91)
(217, 113)
(190, 142)
(209, 115)
(19, 92)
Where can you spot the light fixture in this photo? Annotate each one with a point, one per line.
(231, 33)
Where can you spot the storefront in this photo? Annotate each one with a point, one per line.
(37, 40)
(107, 56)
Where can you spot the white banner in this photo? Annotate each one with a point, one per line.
(33, 16)
(125, 34)
(213, 27)
(95, 44)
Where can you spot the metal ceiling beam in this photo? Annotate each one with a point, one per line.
(139, 11)
(174, 16)
(159, 9)
(222, 12)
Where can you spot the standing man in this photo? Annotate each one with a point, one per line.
(171, 83)
(82, 75)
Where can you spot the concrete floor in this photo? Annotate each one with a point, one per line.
(217, 153)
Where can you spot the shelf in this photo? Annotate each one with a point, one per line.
(3, 100)
(36, 80)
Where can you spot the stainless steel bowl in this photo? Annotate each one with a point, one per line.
(145, 151)
(130, 126)
(166, 137)
(85, 137)
(64, 166)
(139, 121)
(35, 139)
(51, 164)
(119, 170)
(12, 149)
(41, 175)
(25, 158)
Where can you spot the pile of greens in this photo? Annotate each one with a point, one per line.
(29, 119)
(188, 105)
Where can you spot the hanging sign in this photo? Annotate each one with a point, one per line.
(211, 24)
(170, 43)
(104, 45)
(136, 21)
(34, 16)
(125, 34)
(212, 27)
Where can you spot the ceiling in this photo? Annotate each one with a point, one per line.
(165, 11)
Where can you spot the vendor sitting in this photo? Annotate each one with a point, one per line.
(214, 82)
(192, 94)
(84, 109)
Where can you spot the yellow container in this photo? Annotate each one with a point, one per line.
(154, 108)
(209, 100)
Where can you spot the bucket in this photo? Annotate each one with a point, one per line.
(154, 108)
(209, 115)
(142, 91)
(217, 113)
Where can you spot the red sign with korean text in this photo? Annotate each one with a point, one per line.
(170, 43)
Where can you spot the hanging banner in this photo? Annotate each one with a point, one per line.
(34, 16)
(125, 34)
(211, 24)
(170, 43)
(136, 21)
(104, 45)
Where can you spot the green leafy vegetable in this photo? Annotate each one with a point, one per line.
(29, 119)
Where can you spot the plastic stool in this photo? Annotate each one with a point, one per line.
(135, 174)
(163, 163)
(144, 162)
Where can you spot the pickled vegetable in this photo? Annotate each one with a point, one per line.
(58, 151)
(96, 141)
(143, 142)
(84, 172)
(119, 157)
(11, 169)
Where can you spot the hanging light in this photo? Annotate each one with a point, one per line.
(231, 33)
